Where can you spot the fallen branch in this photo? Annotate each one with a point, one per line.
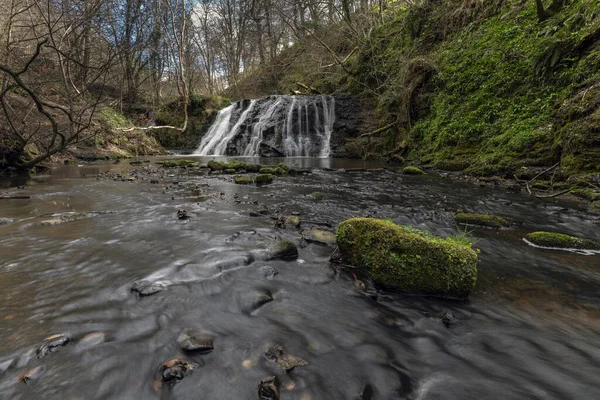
(148, 128)
(343, 61)
(376, 131)
(552, 195)
(308, 88)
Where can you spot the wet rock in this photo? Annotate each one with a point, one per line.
(318, 236)
(52, 344)
(182, 214)
(252, 301)
(175, 370)
(280, 222)
(90, 340)
(254, 214)
(287, 362)
(267, 389)
(293, 221)
(485, 220)
(269, 272)
(367, 392)
(407, 259)
(242, 180)
(449, 319)
(49, 222)
(193, 340)
(552, 240)
(30, 374)
(282, 250)
(145, 288)
(154, 182)
(296, 213)
(262, 179)
(5, 221)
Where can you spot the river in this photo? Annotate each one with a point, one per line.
(531, 328)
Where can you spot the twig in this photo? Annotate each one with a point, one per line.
(376, 131)
(553, 194)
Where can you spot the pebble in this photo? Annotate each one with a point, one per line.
(193, 340)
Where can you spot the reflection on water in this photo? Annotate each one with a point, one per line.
(530, 330)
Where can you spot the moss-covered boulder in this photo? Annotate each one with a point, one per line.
(412, 171)
(486, 220)
(291, 221)
(242, 180)
(283, 167)
(216, 165)
(560, 241)
(281, 250)
(230, 171)
(317, 195)
(237, 165)
(266, 170)
(253, 167)
(262, 179)
(407, 259)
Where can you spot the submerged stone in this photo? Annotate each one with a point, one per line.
(175, 370)
(5, 221)
(561, 241)
(319, 236)
(407, 259)
(267, 389)
(52, 343)
(281, 250)
(193, 340)
(487, 220)
(279, 356)
(145, 288)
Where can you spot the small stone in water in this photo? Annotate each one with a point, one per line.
(30, 374)
(182, 214)
(144, 288)
(286, 361)
(52, 344)
(267, 389)
(269, 272)
(193, 340)
(175, 370)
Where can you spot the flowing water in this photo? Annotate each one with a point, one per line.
(292, 126)
(531, 328)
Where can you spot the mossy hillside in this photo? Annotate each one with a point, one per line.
(487, 220)
(410, 260)
(488, 89)
(561, 241)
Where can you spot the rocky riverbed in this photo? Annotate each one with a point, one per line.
(156, 282)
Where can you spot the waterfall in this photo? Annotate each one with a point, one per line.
(291, 126)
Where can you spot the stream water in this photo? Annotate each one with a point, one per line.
(531, 329)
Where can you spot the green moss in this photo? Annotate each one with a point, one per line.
(488, 220)
(237, 165)
(283, 167)
(216, 165)
(242, 180)
(595, 206)
(253, 167)
(561, 241)
(179, 163)
(230, 171)
(266, 170)
(281, 171)
(317, 195)
(410, 260)
(412, 171)
(293, 221)
(587, 194)
(263, 179)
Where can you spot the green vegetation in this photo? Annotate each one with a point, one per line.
(408, 259)
(242, 180)
(561, 241)
(217, 165)
(588, 194)
(293, 221)
(412, 171)
(317, 195)
(266, 170)
(230, 171)
(263, 179)
(487, 220)
(174, 163)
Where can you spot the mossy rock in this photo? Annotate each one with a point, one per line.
(216, 165)
(283, 167)
(317, 195)
(409, 260)
(262, 179)
(487, 220)
(595, 206)
(236, 165)
(253, 167)
(230, 171)
(561, 241)
(70, 162)
(281, 171)
(179, 163)
(242, 180)
(281, 250)
(293, 221)
(319, 236)
(412, 171)
(266, 170)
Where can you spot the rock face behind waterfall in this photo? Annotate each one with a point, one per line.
(274, 126)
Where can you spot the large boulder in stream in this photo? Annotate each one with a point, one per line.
(407, 259)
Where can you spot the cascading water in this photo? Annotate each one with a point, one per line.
(292, 126)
